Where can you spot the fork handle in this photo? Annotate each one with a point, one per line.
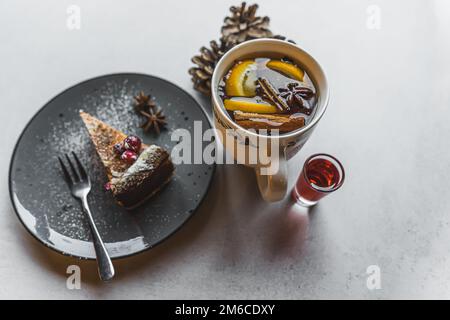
(105, 266)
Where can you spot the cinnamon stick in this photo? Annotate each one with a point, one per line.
(282, 122)
(272, 94)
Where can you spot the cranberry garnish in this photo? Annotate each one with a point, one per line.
(119, 148)
(129, 156)
(108, 186)
(133, 143)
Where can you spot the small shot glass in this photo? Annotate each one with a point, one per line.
(321, 175)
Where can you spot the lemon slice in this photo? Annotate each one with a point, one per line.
(249, 106)
(241, 81)
(288, 69)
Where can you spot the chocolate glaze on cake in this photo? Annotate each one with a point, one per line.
(151, 171)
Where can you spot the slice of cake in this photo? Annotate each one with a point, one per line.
(135, 171)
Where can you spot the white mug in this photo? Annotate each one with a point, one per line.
(273, 186)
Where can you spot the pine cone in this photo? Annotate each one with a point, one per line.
(206, 62)
(243, 24)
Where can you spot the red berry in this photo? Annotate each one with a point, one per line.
(118, 148)
(129, 156)
(133, 143)
(108, 186)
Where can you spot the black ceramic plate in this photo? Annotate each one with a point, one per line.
(42, 199)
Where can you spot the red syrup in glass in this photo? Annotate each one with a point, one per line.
(321, 175)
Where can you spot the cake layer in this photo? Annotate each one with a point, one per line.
(104, 138)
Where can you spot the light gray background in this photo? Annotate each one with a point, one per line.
(387, 122)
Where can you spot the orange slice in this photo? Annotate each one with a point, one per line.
(241, 81)
(286, 68)
(249, 106)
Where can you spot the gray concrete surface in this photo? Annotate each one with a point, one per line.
(387, 122)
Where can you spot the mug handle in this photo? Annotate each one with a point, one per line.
(273, 187)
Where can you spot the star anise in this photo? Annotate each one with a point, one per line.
(144, 102)
(155, 119)
(297, 96)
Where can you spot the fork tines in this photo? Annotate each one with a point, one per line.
(79, 175)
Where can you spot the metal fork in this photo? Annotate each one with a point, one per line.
(80, 186)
